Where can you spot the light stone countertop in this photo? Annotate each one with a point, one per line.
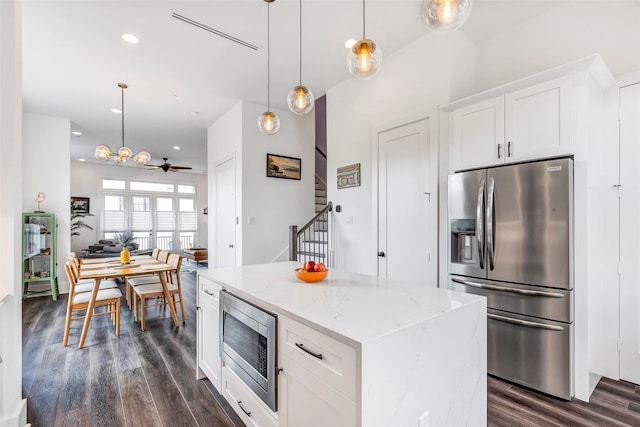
(355, 307)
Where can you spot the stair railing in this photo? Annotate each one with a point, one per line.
(311, 242)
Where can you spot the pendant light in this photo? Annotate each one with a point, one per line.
(365, 57)
(268, 122)
(300, 99)
(103, 152)
(443, 16)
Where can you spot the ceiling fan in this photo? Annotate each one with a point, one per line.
(166, 166)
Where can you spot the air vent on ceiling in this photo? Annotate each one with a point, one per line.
(214, 31)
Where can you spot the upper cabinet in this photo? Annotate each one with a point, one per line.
(529, 123)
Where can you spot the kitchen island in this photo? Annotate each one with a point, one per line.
(396, 354)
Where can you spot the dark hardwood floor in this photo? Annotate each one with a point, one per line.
(137, 379)
(148, 378)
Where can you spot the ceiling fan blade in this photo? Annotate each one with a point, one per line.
(181, 167)
(154, 166)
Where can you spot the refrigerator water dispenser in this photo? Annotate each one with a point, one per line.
(464, 247)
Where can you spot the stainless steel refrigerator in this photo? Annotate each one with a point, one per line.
(511, 240)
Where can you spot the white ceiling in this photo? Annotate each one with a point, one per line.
(182, 78)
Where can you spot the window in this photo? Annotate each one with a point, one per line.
(160, 215)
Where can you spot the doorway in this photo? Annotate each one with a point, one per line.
(629, 344)
(225, 214)
(407, 204)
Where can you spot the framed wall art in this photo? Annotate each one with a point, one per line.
(349, 176)
(283, 167)
(80, 204)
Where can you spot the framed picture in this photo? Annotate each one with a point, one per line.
(283, 167)
(80, 204)
(349, 176)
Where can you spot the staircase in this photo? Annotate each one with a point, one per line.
(311, 242)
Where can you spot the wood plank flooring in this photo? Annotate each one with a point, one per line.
(137, 379)
(148, 378)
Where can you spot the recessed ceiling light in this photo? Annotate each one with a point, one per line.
(76, 133)
(195, 113)
(116, 110)
(130, 38)
(349, 43)
(175, 147)
(82, 160)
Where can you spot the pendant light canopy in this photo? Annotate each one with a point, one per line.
(300, 99)
(103, 152)
(365, 57)
(268, 122)
(442, 16)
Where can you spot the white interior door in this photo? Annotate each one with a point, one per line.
(630, 234)
(407, 199)
(225, 214)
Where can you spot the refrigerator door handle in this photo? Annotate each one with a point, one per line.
(491, 232)
(480, 224)
(525, 323)
(505, 289)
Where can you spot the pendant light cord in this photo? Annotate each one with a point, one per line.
(363, 21)
(122, 109)
(300, 42)
(268, 59)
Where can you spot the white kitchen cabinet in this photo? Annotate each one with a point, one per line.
(526, 124)
(478, 134)
(317, 384)
(538, 121)
(208, 304)
(251, 410)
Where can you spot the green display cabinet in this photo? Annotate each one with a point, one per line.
(39, 255)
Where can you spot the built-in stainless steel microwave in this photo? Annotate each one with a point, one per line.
(248, 345)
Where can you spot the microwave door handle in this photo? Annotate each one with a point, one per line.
(480, 224)
(491, 231)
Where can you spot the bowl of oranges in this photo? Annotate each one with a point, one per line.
(311, 272)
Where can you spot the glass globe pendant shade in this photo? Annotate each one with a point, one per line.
(142, 158)
(442, 16)
(300, 100)
(125, 152)
(102, 152)
(364, 59)
(119, 159)
(268, 123)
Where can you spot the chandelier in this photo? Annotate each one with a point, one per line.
(104, 153)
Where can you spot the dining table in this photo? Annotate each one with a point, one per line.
(111, 268)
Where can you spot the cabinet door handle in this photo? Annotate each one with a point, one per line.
(509, 149)
(499, 151)
(316, 355)
(242, 407)
(208, 292)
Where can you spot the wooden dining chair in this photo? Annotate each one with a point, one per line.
(160, 256)
(142, 293)
(109, 298)
(86, 285)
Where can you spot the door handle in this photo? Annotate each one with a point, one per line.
(381, 254)
(480, 224)
(525, 323)
(505, 289)
(231, 245)
(491, 230)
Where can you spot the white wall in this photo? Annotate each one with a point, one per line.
(45, 168)
(86, 180)
(411, 84)
(272, 204)
(12, 407)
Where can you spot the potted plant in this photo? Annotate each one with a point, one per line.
(126, 239)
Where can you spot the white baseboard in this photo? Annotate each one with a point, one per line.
(19, 419)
